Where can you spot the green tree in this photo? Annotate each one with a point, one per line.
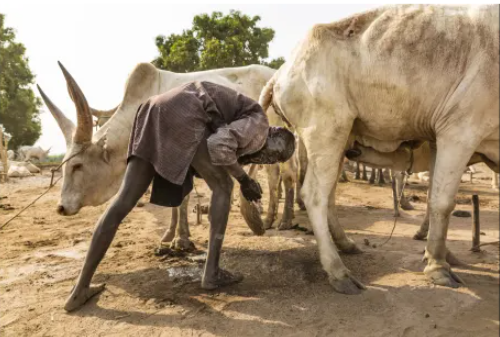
(19, 107)
(216, 41)
(275, 63)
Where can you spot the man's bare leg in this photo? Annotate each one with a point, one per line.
(137, 178)
(221, 184)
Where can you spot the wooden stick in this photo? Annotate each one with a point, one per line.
(3, 157)
(476, 233)
(198, 211)
(395, 196)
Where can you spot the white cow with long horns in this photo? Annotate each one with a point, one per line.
(100, 157)
(381, 78)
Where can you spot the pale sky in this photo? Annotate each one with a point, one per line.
(101, 43)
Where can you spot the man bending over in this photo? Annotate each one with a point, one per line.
(199, 128)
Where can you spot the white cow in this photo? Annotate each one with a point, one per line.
(11, 155)
(101, 157)
(20, 168)
(381, 78)
(404, 159)
(26, 153)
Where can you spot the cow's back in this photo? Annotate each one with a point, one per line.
(407, 65)
(248, 80)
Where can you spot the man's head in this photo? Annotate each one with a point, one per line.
(279, 147)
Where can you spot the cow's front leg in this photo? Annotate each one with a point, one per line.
(343, 242)
(169, 234)
(381, 178)
(365, 174)
(421, 234)
(325, 154)
(395, 192)
(181, 240)
(451, 160)
(372, 176)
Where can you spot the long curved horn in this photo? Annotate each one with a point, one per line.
(103, 113)
(83, 132)
(65, 124)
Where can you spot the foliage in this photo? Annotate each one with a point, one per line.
(19, 108)
(216, 41)
(275, 63)
(54, 158)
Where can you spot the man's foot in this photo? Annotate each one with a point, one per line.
(223, 278)
(77, 299)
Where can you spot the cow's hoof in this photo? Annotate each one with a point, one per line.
(285, 225)
(453, 260)
(168, 237)
(444, 277)
(182, 244)
(348, 285)
(76, 300)
(223, 278)
(420, 235)
(349, 247)
(302, 206)
(268, 223)
(407, 206)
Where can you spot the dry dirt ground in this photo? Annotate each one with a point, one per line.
(284, 293)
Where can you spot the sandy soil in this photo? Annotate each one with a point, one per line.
(284, 293)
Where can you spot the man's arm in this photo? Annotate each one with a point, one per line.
(236, 171)
(249, 188)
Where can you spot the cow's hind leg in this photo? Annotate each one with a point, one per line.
(451, 160)
(273, 180)
(325, 153)
(302, 168)
(422, 232)
(288, 176)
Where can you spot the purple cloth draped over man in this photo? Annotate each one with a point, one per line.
(169, 127)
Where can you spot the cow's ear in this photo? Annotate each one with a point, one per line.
(102, 144)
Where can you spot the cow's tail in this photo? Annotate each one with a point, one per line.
(250, 211)
(266, 95)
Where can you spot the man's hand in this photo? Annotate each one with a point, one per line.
(250, 188)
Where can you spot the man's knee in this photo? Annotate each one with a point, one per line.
(224, 186)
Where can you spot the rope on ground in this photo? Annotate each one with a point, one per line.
(407, 173)
(31, 203)
(52, 184)
(395, 217)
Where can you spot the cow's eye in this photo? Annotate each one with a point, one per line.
(77, 167)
